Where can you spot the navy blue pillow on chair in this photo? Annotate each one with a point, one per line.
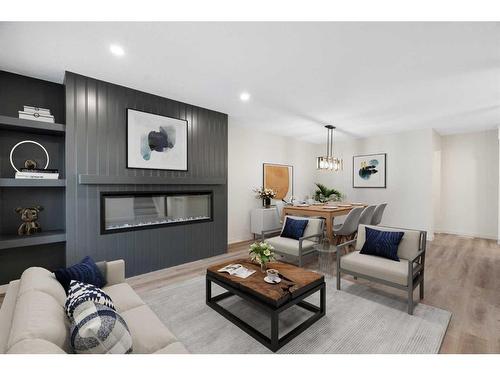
(294, 228)
(382, 243)
(86, 271)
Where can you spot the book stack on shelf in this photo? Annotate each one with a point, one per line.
(37, 114)
(38, 174)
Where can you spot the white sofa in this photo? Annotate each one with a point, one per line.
(33, 320)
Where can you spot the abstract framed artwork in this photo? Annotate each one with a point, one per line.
(156, 142)
(369, 171)
(278, 177)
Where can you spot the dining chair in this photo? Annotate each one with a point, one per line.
(377, 214)
(349, 226)
(367, 215)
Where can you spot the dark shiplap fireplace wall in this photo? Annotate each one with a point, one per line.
(96, 163)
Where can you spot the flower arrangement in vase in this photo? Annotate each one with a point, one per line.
(266, 195)
(262, 253)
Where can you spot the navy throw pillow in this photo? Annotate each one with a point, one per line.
(294, 228)
(382, 243)
(86, 271)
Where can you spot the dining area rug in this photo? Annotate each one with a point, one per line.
(359, 319)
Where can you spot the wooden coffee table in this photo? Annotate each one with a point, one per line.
(296, 285)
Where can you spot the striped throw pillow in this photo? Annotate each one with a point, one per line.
(382, 243)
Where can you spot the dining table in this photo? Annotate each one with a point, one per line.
(328, 211)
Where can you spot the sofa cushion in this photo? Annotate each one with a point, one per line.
(382, 243)
(293, 228)
(81, 292)
(123, 296)
(408, 247)
(86, 271)
(148, 332)
(36, 278)
(288, 245)
(35, 346)
(377, 267)
(98, 329)
(38, 315)
(7, 313)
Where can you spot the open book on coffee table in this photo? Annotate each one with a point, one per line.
(237, 270)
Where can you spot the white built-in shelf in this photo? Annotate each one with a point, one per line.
(24, 182)
(31, 126)
(12, 240)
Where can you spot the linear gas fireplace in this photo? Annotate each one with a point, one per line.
(122, 212)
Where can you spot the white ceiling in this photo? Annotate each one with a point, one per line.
(366, 78)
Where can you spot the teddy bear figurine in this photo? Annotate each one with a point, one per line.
(29, 216)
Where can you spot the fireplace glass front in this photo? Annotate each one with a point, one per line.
(123, 212)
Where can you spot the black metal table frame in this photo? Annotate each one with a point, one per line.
(274, 342)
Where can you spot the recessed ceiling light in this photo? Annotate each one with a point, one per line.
(116, 50)
(245, 96)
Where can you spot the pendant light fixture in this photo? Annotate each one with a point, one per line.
(330, 162)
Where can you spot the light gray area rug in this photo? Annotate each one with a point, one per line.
(359, 319)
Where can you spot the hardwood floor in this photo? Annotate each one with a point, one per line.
(462, 276)
(158, 279)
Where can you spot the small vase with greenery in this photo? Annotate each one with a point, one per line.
(262, 253)
(324, 194)
(266, 195)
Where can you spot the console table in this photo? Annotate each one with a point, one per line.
(264, 219)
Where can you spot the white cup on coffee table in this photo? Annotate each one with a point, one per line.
(273, 274)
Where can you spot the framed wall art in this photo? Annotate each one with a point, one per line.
(156, 142)
(369, 171)
(278, 177)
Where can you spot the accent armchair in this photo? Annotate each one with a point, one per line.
(297, 249)
(406, 274)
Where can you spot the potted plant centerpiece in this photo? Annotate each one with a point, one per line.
(261, 253)
(266, 195)
(324, 194)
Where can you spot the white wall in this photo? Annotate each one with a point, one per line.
(469, 190)
(409, 177)
(247, 150)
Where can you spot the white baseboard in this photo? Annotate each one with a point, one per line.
(236, 242)
(468, 235)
